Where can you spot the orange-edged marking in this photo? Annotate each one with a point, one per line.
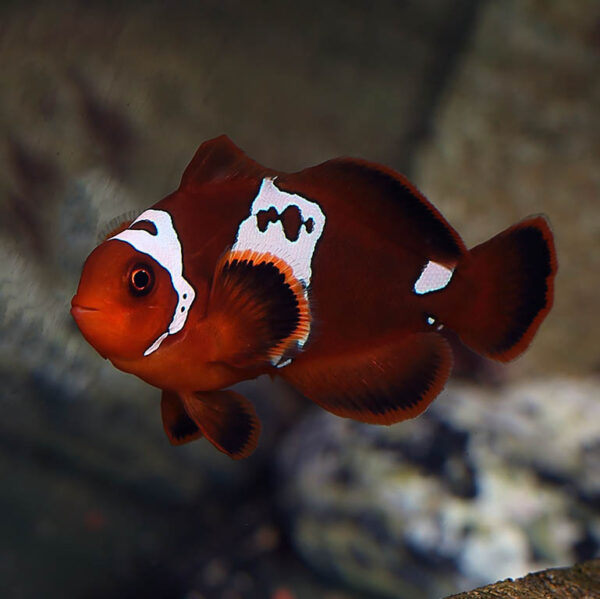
(267, 307)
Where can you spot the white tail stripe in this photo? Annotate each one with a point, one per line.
(433, 278)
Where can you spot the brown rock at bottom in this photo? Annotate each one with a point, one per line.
(581, 581)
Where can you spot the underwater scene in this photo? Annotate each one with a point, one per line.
(299, 299)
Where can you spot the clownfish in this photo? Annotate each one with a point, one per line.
(339, 278)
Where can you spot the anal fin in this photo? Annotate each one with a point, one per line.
(179, 427)
(226, 418)
(392, 381)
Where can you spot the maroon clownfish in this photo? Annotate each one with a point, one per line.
(339, 278)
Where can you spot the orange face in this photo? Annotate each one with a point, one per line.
(124, 302)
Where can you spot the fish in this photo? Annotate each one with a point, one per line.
(341, 278)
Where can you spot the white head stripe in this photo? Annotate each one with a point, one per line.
(297, 254)
(165, 248)
(433, 277)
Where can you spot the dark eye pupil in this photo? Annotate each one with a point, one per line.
(141, 279)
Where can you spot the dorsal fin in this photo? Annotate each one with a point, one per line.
(219, 159)
(383, 200)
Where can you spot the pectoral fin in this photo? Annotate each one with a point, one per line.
(226, 419)
(259, 308)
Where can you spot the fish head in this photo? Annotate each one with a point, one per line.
(124, 302)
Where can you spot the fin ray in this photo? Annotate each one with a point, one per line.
(116, 225)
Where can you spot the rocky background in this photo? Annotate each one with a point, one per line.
(493, 108)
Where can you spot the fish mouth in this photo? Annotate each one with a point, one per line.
(87, 324)
(78, 309)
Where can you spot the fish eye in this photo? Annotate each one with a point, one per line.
(141, 279)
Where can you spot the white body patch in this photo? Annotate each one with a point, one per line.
(434, 277)
(297, 254)
(165, 248)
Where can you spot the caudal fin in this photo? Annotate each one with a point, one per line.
(511, 283)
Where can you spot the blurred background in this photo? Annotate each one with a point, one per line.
(491, 107)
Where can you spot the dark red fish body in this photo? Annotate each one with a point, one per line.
(339, 278)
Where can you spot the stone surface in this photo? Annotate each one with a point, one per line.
(518, 132)
(581, 581)
(483, 486)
